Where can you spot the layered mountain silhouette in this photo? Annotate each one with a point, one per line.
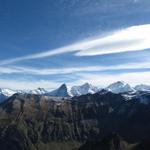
(64, 91)
(37, 122)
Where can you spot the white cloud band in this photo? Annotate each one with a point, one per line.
(38, 71)
(134, 38)
(101, 80)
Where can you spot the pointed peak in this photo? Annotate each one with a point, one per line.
(83, 89)
(63, 86)
(120, 82)
(86, 84)
(142, 87)
(119, 87)
(62, 91)
(39, 88)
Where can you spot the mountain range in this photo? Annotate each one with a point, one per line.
(40, 122)
(64, 91)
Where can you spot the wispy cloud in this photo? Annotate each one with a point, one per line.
(9, 70)
(130, 39)
(134, 38)
(103, 80)
(27, 84)
(79, 69)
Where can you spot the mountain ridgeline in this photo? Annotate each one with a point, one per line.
(64, 91)
(86, 122)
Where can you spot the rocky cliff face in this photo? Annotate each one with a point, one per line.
(37, 122)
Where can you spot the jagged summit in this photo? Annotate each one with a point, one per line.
(83, 89)
(62, 91)
(38, 91)
(120, 87)
(5, 93)
(142, 87)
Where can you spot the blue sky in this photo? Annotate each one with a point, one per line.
(50, 42)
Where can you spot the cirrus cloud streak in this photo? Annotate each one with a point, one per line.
(134, 38)
(80, 69)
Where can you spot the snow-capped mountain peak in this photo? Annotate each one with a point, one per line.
(38, 91)
(142, 87)
(7, 92)
(119, 87)
(62, 91)
(83, 89)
